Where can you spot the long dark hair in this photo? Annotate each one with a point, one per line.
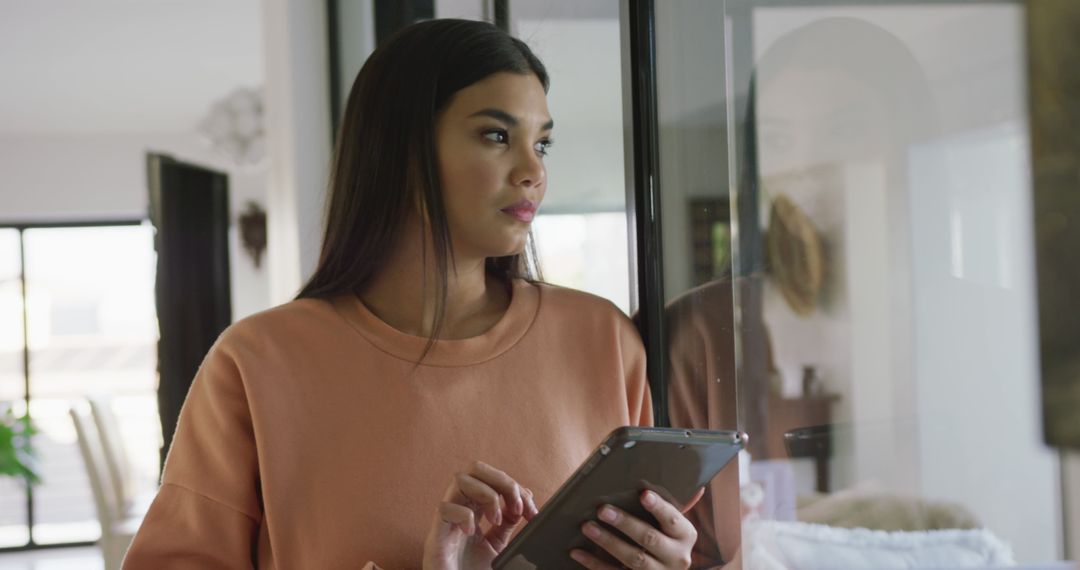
(385, 161)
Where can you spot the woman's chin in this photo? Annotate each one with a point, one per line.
(510, 252)
(516, 248)
(511, 244)
(501, 244)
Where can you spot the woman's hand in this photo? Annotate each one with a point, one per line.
(668, 546)
(457, 539)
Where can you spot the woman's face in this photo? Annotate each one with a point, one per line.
(491, 140)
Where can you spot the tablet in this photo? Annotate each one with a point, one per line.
(673, 462)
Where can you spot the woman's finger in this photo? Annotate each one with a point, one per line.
(499, 536)
(631, 555)
(672, 522)
(647, 536)
(589, 561)
(529, 504)
(471, 492)
(504, 484)
(458, 515)
(497, 494)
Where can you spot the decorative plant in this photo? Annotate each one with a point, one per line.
(17, 456)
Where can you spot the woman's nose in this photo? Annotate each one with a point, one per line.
(529, 170)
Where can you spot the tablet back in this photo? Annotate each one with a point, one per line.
(674, 463)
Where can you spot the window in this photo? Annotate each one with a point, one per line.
(586, 252)
(92, 330)
(13, 529)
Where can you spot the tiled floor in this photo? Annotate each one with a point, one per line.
(82, 558)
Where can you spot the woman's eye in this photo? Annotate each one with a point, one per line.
(543, 146)
(500, 137)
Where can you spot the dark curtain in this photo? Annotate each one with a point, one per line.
(189, 210)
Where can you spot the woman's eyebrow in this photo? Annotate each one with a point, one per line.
(507, 118)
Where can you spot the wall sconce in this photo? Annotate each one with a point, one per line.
(253, 231)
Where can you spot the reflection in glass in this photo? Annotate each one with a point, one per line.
(884, 359)
(868, 145)
(834, 125)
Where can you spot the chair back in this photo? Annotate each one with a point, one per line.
(92, 450)
(117, 463)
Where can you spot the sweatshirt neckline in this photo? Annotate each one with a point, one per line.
(504, 334)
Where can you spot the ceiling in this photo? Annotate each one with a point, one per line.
(111, 66)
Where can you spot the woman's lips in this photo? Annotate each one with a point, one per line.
(523, 211)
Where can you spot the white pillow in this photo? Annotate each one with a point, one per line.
(777, 545)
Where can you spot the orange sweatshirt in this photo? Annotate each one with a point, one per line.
(310, 438)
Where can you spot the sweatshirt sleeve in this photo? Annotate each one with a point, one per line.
(207, 511)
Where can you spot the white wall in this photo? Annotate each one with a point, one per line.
(977, 370)
(298, 139)
(118, 66)
(100, 177)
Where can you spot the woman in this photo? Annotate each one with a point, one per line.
(423, 352)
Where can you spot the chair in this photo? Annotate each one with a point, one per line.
(116, 458)
(117, 530)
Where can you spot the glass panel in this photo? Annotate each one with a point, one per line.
(879, 340)
(93, 331)
(697, 249)
(13, 529)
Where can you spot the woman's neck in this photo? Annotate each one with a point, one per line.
(405, 292)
